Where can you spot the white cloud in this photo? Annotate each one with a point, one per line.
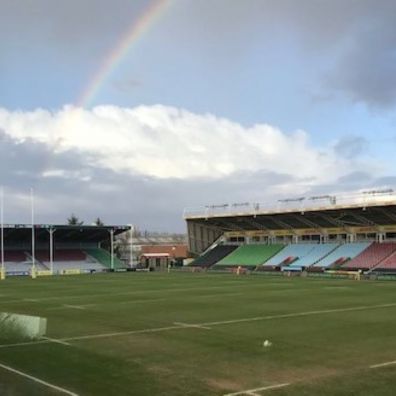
(166, 142)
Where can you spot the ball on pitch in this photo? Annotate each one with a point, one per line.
(267, 343)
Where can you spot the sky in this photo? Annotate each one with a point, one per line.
(133, 110)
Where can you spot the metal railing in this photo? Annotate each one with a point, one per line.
(300, 204)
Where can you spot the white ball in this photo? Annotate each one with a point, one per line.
(267, 344)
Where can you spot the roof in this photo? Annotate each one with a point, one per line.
(154, 255)
(171, 250)
(357, 215)
(21, 233)
(322, 203)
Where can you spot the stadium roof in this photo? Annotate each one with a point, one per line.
(21, 233)
(363, 210)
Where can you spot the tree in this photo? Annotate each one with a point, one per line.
(74, 220)
(98, 222)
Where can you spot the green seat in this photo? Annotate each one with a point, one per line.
(250, 255)
(104, 257)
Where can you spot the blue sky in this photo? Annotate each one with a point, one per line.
(211, 70)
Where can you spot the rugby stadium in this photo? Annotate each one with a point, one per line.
(291, 299)
(321, 234)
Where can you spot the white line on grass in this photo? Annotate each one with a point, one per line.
(122, 333)
(81, 307)
(26, 343)
(262, 389)
(65, 341)
(296, 314)
(208, 324)
(106, 303)
(56, 341)
(191, 325)
(52, 298)
(39, 381)
(140, 301)
(219, 323)
(383, 364)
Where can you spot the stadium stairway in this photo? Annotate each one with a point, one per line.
(372, 257)
(341, 254)
(288, 255)
(213, 256)
(388, 264)
(39, 264)
(104, 257)
(249, 255)
(313, 256)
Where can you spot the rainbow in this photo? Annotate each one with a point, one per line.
(128, 40)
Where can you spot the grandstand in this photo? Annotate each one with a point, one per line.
(342, 254)
(249, 255)
(355, 232)
(213, 255)
(371, 257)
(60, 249)
(313, 256)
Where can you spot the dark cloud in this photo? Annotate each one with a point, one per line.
(366, 72)
(351, 146)
(358, 37)
(68, 21)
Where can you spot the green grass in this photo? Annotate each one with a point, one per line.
(326, 353)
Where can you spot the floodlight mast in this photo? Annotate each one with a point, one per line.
(112, 249)
(51, 235)
(131, 245)
(2, 275)
(33, 234)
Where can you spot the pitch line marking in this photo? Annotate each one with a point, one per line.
(38, 380)
(383, 364)
(45, 299)
(296, 314)
(17, 344)
(121, 333)
(94, 336)
(197, 326)
(56, 341)
(206, 324)
(253, 391)
(218, 323)
(81, 307)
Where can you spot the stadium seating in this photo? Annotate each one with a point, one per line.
(214, 255)
(342, 254)
(289, 254)
(64, 259)
(19, 261)
(250, 255)
(317, 252)
(371, 257)
(104, 258)
(62, 255)
(15, 256)
(389, 264)
(60, 266)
